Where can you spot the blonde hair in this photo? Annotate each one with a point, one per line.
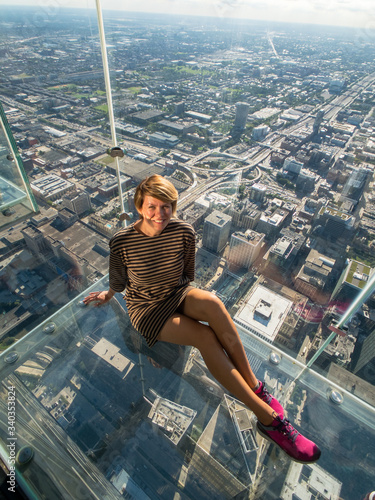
(157, 187)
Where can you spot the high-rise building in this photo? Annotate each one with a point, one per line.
(354, 186)
(34, 239)
(257, 192)
(282, 252)
(336, 85)
(216, 231)
(260, 132)
(352, 280)
(335, 222)
(245, 248)
(364, 361)
(314, 275)
(179, 108)
(318, 121)
(271, 223)
(77, 202)
(242, 110)
(304, 479)
(306, 180)
(245, 214)
(263, 313)
(292, 165)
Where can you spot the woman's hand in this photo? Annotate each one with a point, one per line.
(98, 298)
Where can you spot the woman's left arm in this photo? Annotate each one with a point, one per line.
(189, 257)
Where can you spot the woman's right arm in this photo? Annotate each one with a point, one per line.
(118, 275)
(117, 280)
(99, 298)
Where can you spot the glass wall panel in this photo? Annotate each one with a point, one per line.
(16, 199)
(52, 90)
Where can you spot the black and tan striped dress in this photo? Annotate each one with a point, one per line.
(156, 272)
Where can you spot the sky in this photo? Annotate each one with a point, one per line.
(356, 13)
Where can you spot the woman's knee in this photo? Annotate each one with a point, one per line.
(203, 306)
(214, 306)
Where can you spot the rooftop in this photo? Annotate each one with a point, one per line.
(218, 218)
(357, 274)
(334, 213)
(249, 236)
(264, 312)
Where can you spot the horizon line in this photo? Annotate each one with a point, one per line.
(197, 16)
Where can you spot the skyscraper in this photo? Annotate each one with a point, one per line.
(245, 248)
(242, 110)
(318, 121)
(355, 185)
(216, 231)
(364, 359)
(77, 202)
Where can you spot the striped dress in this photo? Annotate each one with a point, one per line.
(156, 272)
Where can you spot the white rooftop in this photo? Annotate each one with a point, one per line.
(110, 353)
(310, 481)
(264, 312)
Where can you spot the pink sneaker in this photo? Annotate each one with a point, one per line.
(282, 433)
(265, 396)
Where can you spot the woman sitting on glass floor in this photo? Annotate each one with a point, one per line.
(154, 259)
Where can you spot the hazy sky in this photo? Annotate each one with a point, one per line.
(358, 13)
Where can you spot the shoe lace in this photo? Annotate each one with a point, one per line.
(286, 428)
(265, 395)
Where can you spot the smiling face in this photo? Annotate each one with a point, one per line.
(155, 214)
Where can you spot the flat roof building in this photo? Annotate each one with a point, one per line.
(353, 279)
(264, 313)
(314, 275)
(269, 224)
(51, 187)
(283, 253)
(242, 110)
(199, 116)
(245, 247)
(147, 116)
(163, 140)
(77, 202)
(306, 180)
(335, 222)
(307, 481)
(110, 188)
(292, 165)
(244, 214)
(257, 192)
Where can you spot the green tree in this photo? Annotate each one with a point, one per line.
(8, 341)
(241, 191)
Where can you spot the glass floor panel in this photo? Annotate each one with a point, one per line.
(107, 417)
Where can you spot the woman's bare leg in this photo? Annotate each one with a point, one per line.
(205, 306)
(182, 330)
